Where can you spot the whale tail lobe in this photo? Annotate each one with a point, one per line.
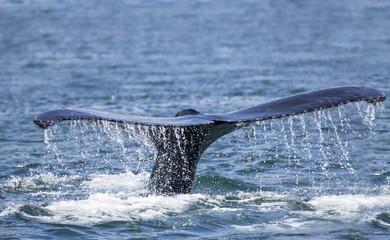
(181, 140)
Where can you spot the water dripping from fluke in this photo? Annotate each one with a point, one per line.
(309, 154)
(181, 140)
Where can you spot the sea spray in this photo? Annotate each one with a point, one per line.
(306, 155)
(98, 146)
(314, 149)
(311, 149)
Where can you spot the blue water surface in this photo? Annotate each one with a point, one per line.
(322, 175)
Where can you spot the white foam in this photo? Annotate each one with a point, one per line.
(106, 207)
(122, 182)
(118, 197)
(109, 197)
(348, 207)
(325, 211)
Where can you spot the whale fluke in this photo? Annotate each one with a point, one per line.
(181, 140)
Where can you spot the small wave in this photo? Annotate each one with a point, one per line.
(34, 210)
(382, 220)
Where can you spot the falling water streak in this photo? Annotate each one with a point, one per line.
(274, 130)
(305, 140)
(259, 145)
(137, 136)
(293, 138)
(345, 121)
(238, 143)
(367, 115)
(268, 132)
(288, 146)
(360, 112)
(101, 143)
(251, 133)
(84, 130)
(283, 131)
(132, 137)
(344, 152)
(295, 151)
(264, 138)
(88, 131)
(297, 140)
(286, 142)
(259, 155)
(380, 108)
(370, 116)
(307, 149)
(97, 129)
(116, 139)
(254, 136)
(51, 147)
(290, 120)
(265, 130)
(323, 161)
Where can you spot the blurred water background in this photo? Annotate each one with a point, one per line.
(321, 175)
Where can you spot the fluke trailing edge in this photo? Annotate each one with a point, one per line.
(181, 140)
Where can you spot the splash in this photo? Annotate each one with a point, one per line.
(93, 147)
(117, 198)
(315, 149)
(324, 211)
(98, 172)
(110, 197)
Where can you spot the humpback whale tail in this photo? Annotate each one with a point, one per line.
(181, 140)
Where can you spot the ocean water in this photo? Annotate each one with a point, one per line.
(321, 175)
